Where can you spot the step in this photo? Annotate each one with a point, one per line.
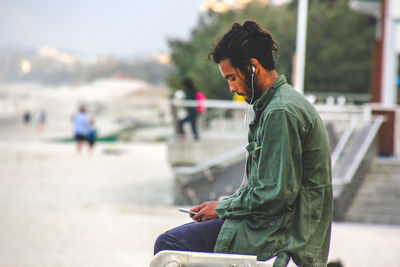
(373, 218)
(377, 202)
(388, 194)
(393, 177)
(375, 209)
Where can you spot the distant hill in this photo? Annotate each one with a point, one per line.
(51, 66)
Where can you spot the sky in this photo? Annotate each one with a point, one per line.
(122, 28)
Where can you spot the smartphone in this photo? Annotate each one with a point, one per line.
(187, 211)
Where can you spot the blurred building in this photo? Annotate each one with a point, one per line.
(384, 73)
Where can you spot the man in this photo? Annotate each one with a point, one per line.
(287, 203)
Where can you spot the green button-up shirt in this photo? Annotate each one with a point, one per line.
(287, 204)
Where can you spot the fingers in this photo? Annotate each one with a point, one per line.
(205, 211)
(198, 208)
(200, 216)
(197, 217)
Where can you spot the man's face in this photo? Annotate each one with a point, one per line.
(235, 80)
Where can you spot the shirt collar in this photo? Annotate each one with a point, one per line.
(266, 97)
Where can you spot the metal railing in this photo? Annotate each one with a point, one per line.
(221, 117)
(358, 141)
(343, 140)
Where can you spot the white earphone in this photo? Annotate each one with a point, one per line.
(253, 69)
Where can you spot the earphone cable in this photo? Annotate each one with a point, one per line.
(246, 123)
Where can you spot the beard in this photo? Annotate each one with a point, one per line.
(251, 96)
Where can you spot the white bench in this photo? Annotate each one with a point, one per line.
(171, 258)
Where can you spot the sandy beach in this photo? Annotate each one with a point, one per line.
(62, 209)
(58, 208)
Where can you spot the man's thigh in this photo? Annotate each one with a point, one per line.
(195, 236)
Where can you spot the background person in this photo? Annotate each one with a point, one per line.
(190, 94)
(91, 136)
(41, 118)
(286, 205)
(81, 128)
(26, 117)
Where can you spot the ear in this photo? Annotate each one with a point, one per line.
(254, 65)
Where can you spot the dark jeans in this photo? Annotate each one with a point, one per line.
(191, 118)
(200, 236)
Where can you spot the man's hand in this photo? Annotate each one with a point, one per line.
(205, 211)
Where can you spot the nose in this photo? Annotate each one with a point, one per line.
(232, 89)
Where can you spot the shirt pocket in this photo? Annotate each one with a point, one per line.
(253, 150)
(264, 235)
(256, 235)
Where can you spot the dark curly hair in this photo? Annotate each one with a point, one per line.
(243, 42)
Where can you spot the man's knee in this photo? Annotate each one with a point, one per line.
(164, 242)
(159, 244)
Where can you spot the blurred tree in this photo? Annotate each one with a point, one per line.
(338, 46)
